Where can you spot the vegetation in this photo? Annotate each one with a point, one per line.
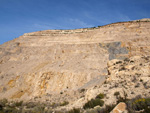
(137, 104)
(64, 103)
(82, 90)
(27, 107)
(107, 109)
(100, 96)
(95, 102)
(116, 93)
(74, 110)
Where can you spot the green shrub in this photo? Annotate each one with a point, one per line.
(93, 102)
(122, 99)
(38, 108)
(82, 90)
(53, 105)
(3, 102)
(100, 96)
(10, 110)
(92, 111)
(116, 93)
(74, 110)
(19, 103)
(107, 109)
(138, 104)
(1, 107)
(64, 103)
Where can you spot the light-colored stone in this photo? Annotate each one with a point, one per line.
(120, 108)
(61, 62)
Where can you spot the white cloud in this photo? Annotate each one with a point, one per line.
(101, 20)
(46, 26)
(77, 23)
(123, 17)
(65, 23)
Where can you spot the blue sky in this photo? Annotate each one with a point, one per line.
(22, 16)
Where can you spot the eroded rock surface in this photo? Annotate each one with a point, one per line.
(120, 108)
(72, 64)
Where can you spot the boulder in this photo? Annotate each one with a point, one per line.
(120, 108)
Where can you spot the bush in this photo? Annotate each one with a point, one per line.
(138, 104)
(93, 102)
(116, 93)
(122, 99)
(74, 110)
(64, 103)
(30, 105)
(10, 110)
(100, 96)
(19, 103)
(38, 108)
(1, 107)
(3, 102)
(82, 90)
(107, 109)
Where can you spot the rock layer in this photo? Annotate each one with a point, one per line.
(55, 61)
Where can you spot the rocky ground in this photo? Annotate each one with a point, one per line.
(126, 78)
(129, 77)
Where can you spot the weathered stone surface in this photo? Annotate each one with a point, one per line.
(114, 50)
(61, 62)
(120, 108)
(130, 76)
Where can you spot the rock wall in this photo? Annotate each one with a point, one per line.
(54, 61)
(115, 50)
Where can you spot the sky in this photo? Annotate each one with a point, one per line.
(22, 16)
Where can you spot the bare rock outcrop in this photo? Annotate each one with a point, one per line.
(128, 78)
(120, 108)
(72, 64)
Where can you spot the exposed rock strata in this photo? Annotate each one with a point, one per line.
(129, 77)
(62, 62)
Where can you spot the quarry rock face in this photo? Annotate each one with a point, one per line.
(63, 62)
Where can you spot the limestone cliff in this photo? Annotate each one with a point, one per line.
(55, 62)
